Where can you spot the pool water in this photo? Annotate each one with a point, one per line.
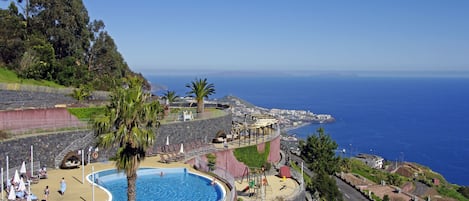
(175, 184)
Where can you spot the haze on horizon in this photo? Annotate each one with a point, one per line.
(303, 35)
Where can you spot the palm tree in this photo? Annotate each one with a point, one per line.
(200, 89)
(128, 123)
(170, 96)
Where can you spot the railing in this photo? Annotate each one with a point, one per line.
(223, 175)
(39, 127)
(36, 88)
(299, 193)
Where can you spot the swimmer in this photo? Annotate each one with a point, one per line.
(161, 174)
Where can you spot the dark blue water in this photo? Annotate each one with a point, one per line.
(424, 120)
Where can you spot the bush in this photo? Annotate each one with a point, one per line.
(212, 160)
(3, 135)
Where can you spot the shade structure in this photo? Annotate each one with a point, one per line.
(23, 168)
(167, 140)
(16, 177)
(12, 194)
(285, 172)
(21, 186)
(182, 148)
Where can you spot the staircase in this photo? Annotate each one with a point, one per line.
(82, 143)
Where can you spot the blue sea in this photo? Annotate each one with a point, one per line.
(423, 120)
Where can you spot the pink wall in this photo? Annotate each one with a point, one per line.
(36, 118)
(274, 155)
(227, 161)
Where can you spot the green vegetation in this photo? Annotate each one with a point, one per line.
(375, 175)
(307, 179)
(84, 92)
(55, 40)
(451, 192)
(9, 76)
(251, 157)
(319, 154)
(128, 124)
(464, 190)
(200, 89)
(86, 113)
(212, 160)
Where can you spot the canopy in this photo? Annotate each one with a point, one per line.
(21, 186)
(285, 172)
(23, 168)
(182, 148)
(16, 177)
(12, 194)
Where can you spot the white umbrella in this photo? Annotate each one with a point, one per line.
(167, 140)
(23, 168)
(182, 148)
(21, 186)
(12, 194)
(16, 178)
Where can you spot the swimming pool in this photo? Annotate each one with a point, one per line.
(175, 184)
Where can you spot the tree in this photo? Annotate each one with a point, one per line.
(84, 92)
(129, 122)
(319, 153)
(200, 89)
(170, 96)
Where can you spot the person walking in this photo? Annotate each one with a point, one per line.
(46, 193)
(63, 186)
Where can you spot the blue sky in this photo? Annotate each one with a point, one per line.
(332, 35)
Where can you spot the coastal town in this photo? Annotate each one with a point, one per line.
(287, 119)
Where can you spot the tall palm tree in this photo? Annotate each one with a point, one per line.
(170, 96)
(200, 89)
(128, 123)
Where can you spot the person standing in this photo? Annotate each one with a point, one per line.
(63, 186)
(46, 193)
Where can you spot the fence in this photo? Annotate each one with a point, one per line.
(36, 88)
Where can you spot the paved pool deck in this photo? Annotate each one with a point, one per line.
(78, 191)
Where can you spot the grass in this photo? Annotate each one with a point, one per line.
(86, 113)
(251, 157)
(375, 175)
(306, 177)
(452, 193)
(8, 76)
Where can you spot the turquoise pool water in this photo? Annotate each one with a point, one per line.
(176, 184)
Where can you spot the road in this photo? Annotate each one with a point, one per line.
(348, 191)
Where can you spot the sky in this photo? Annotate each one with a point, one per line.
(278, 35)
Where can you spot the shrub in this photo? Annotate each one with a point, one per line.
(3, 135)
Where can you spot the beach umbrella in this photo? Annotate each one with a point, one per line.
(12, 194)
(21, 186)
(182, 148)
(167, 140)
(23, 168)
(16, 177)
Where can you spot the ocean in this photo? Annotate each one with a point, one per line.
(423, 120)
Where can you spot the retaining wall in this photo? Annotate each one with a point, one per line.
(48, 146)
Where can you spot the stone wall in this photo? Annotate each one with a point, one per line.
(187, 131)
(48, 146)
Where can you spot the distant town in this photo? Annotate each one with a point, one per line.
(288, 119)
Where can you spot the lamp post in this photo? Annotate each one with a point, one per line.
(92, 182)
(32, 161)
(83, 166)
(2, 183)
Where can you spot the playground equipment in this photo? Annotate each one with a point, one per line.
(257, 182)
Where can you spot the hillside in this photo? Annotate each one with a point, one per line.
(56, 41)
